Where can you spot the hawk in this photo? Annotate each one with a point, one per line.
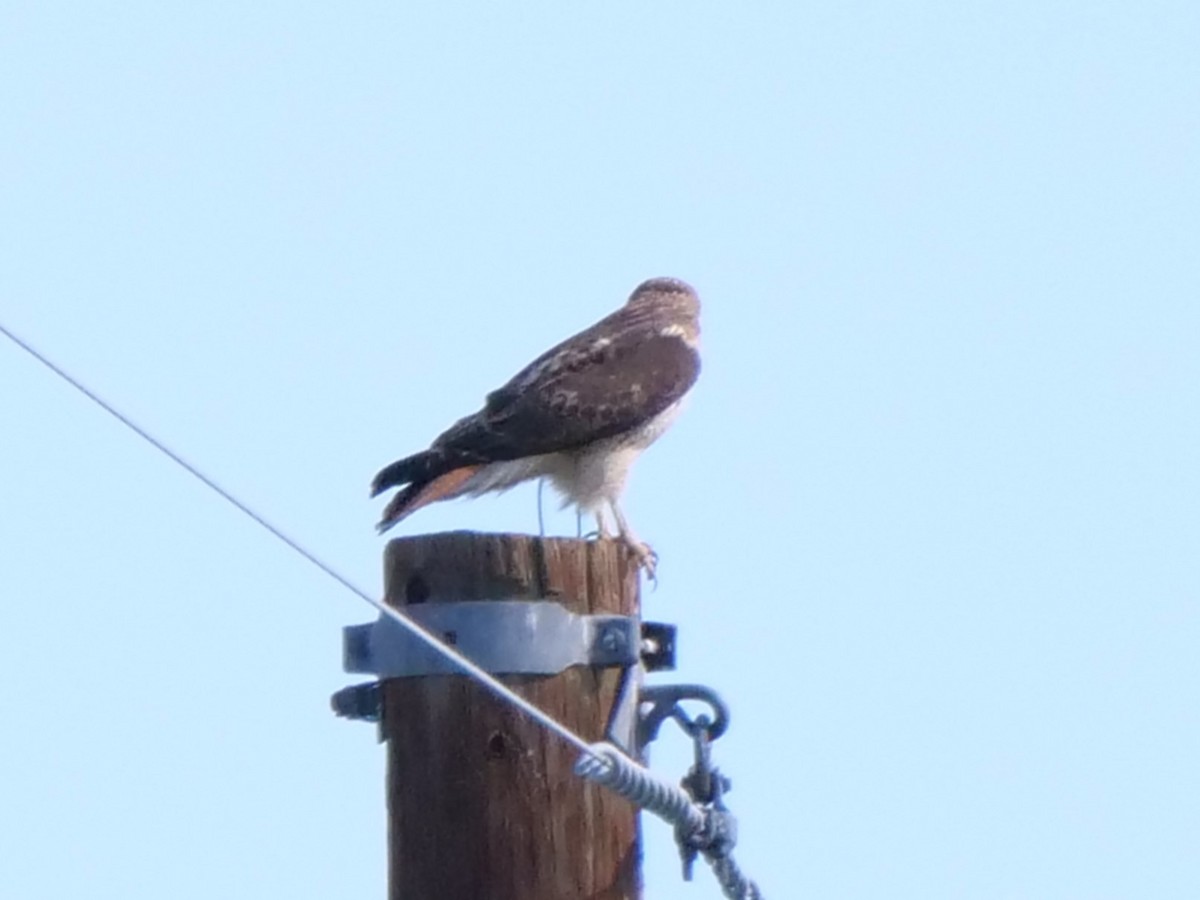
(577, 415)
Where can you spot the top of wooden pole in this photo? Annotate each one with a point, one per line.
(600, 575)
(483, 802)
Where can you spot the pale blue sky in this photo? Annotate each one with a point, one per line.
(930, 522)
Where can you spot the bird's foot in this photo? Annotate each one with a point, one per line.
(647, 559)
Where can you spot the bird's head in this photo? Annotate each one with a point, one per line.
(669, 296)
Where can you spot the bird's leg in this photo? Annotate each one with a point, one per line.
(601, 528)
(541, 515)
(601, 532)
(646, 558)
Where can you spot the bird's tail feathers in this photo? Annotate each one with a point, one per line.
(422, 492)
(418, 468)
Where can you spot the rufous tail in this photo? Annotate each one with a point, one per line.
(427, 477)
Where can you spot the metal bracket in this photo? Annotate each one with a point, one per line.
(505, 637)
(658, 646)
(361, 702)
(623, 723)
(510, 637)
(661, 702)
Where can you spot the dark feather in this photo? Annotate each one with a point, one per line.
(586, 395)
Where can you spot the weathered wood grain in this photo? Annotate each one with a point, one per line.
(483, 804)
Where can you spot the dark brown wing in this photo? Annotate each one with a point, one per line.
(587, 391)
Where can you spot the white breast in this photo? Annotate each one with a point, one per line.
(595, 474)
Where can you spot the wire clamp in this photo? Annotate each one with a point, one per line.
(705, 784)
(704, 826)
(504, 637)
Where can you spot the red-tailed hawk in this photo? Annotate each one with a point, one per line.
(578, 415)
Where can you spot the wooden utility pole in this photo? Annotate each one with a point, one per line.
(483, 803)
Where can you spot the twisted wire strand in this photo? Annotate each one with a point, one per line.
(734, 884)
(608, 766)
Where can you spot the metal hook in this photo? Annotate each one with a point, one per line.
(661, 702)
